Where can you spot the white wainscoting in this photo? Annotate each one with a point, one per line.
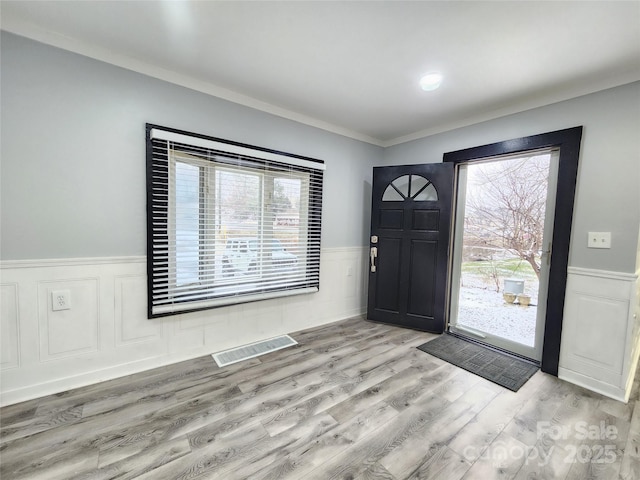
(106, 333)
(9, 327)
(599, 348)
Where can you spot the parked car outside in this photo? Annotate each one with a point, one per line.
(241, 256)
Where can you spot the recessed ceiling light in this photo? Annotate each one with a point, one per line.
(431, 81)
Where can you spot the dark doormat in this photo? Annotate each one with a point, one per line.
(505, 370)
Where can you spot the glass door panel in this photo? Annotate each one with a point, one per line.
(503, 230)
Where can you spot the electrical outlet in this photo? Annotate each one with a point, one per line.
(599, 240)
(60, 300)
(349, 271)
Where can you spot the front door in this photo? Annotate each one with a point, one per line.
(410, 227)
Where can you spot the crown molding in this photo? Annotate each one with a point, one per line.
(12, 24)
(558, 95)
(17, 26)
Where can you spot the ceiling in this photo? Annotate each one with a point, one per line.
(353, 67)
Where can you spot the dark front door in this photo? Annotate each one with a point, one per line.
(410, 225)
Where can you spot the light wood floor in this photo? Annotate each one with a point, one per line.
(354, 400)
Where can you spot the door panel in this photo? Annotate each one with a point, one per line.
(388, 293)
(410, 225)
(391, 219)
(422, 281)
(425, 220)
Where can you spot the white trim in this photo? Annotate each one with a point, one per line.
(157, 133)
(70, 262)
(627, 277)
(592, 384)
(613, 290)
(15, 25)
(562, 94)
(633, 365)
(164, 340)
(58, 385)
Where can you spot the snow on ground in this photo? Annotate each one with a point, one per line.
(482, 308)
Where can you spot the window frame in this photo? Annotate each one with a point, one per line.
(162, 257)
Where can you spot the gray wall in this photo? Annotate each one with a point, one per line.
(73, 158)
(608, 193)
(73, 154)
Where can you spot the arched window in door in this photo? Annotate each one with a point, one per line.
(411, 187)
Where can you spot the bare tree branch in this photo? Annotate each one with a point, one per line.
(506, 206)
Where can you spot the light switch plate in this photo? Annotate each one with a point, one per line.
(599, 240)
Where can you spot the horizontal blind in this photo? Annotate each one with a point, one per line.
(228, 223)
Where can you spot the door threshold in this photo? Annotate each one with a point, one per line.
(471, 331)
(493, 347)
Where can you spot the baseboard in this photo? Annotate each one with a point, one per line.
(89, 378)
(592, 384)
(122, 370)
(111, 335)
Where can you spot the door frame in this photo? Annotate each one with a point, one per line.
(568, 142)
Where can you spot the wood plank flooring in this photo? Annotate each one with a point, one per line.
(354, 400)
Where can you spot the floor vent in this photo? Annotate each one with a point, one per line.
(253, 350)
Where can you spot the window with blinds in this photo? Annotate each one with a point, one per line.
(228, 223)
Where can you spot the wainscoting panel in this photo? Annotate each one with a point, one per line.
(132, 326)
(106, 333)
(73, 332)
(587, 341)
(10, 338)
(598, 349)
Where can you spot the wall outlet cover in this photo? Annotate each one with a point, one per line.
(60, 300)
